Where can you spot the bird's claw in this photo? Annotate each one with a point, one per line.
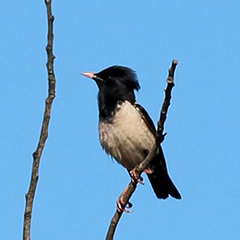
(135, 177)
(121, 205)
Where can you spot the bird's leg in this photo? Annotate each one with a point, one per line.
(135, 176)
(148, 171)
(122, 203)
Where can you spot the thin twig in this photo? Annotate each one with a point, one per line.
(129, 190)
(163, 115)
(44, 130)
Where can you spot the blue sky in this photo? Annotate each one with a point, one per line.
(78, 183)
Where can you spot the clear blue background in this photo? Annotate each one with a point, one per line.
(79, 184)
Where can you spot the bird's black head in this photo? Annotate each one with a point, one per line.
(116, 83)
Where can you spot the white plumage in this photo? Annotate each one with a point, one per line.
(128, 128)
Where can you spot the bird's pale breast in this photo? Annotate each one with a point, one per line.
(127, 138)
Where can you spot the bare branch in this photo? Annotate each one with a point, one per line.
(129, 190)
(44, 130)
(163, 115)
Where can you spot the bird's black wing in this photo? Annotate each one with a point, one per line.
(159, 179)
(146, 118)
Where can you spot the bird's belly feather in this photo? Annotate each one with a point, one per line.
(127, 138)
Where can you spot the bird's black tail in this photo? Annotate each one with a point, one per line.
(160, 180)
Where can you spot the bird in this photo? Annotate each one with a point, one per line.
(126, 131)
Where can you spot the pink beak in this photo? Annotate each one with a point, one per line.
(88, 74)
